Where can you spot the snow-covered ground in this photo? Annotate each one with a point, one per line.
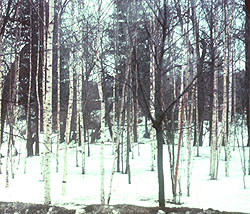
(225, 194)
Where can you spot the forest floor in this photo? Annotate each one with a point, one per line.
(28, 208)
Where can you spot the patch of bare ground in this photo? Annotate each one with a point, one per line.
(130, 209)
(28, 208)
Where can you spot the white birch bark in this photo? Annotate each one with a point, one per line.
(77, 124)
(70, 109)
(182, 107)
(99, 76)
(44, 92)
(196, 62)
(191, 107)
(58, 87)
(152, 108)
(215, 102)
(235, 102)
(190, 146)
(228, 23)
(7, 163)
(136, 104)
(119, 119)
(29, 89)
(132, 128)
(222, 135)
(128, 141)
(81, 119)
(37, 86)
(79, 115)
(81, 79)
(39, 106)
(48, 108)
(68, 123)
(182, 73)
(113, 117)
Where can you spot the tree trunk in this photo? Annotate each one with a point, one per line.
(247, 75)
(222, 135)
(68, 125)
(135, 99)
(119, 119)
(228, 32)
(160, 142)
(48, 107)
(213, 154)
(152, 101)
(190, 107)
(113, 116)
(82, 125)
(101, 96)
(1, 89)
(28, 118)
(58, 46)
(15, 90)
(128, 144)
(70, 108)
(182, 110)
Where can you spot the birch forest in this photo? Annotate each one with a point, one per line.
(120, 75)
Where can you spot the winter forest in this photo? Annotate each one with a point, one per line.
(143, 102)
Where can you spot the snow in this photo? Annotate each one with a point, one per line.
(224, 194)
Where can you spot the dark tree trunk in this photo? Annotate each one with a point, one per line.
(160, 142)
(147, 134)
(159, 132)
(201, 93)
(37, 145)
(29, 146)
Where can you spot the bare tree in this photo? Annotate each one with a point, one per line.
(247, 75)
(48, 107)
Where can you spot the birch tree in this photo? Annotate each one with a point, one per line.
(39, 58)
(183, 100)
(135, 107)
(129, 128)
(70, 108)
(247, 74)
(11, 116)
(213, 154)
(28, 119)
(58, 83)
(222, 135)
(81, 117)
(113, 116)
(68, 123)
(119, 114)
(197, 72)
(191, 105)
(152, 101)
(48, 107)
(100, 91)
(228, 37)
